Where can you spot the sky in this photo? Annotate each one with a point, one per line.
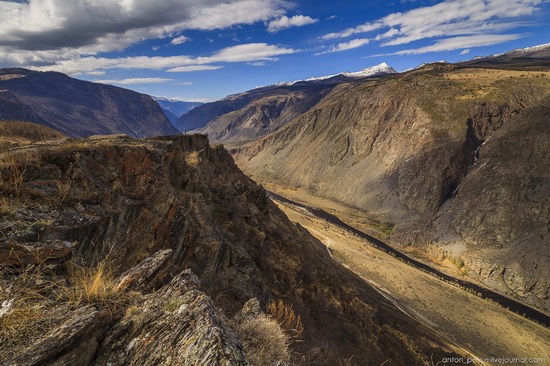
(204, 50)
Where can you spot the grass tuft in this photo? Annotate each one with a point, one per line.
(263, 340)
(286, 317)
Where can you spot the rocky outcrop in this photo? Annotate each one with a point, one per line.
(178, 325)
(174, 203)
(460, 149)
(79, 108)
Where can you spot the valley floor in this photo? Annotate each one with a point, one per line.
(481, 327)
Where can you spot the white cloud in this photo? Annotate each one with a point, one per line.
(133, 81)
(179, 40)
(194, 68)
(465, 52)
(38, 32)
(451, 18)
(96, 73)
(285, 22)
(354, 43)
(184, 83)
(351, 31)
(241, 53)
(248, 52)
(457, 43)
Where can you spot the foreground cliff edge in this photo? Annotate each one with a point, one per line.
(117, 251)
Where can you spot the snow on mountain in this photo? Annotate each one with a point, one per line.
(522, 51)
(174, 108)
(379, 69)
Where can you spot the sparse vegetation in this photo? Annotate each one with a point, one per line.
(26, 131)
(264, 341)
(96, 286)
(286, 317)
(192, 158)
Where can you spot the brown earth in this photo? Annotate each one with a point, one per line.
(151, 209)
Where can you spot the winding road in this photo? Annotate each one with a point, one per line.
(482, 292)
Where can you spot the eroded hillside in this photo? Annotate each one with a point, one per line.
(78, 108)
(149, 215)
(451, 156)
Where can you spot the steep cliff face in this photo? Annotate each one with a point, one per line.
(254, 113)
(153, 208)
(441, 144)
(79, 108)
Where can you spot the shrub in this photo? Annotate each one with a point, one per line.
(264, 342)
(285, 316)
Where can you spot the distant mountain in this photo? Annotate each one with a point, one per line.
(79, 108)
(263, 110)
(380, 69)
(533, 51)
(175, 108)
(453, 154)
(532, 57)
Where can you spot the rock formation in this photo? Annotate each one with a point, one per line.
(103, 242)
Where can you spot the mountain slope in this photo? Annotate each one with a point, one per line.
(425, 151)
(175, 108)
(156, 207)
(282, 102)
(80, 108)
(257, 112)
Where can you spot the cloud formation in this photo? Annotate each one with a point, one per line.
(344, 46)
(451, 23)
(132, 81)
(179, 40)
(241, 53)
(39, 32)
(285, 22)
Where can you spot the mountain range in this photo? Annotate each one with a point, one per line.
(79, 108)
(175, 108)
(443, 161)
(263, 110)
(446, 154)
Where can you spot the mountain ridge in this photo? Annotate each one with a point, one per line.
(410, 150)
(81, 108)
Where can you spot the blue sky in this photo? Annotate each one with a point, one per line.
(207, 49)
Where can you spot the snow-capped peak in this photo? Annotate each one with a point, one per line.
(522, 51)
(382, 68)
(164, 99)
(379, 69)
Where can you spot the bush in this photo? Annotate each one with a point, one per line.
(264, 342)
(285, 316)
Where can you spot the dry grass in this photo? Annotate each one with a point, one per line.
(286, 317)
(28, 131)
(40, 298)
(30, 295)
(13, 166)
(193, 158)
(96, 286)
(264, 342)
(20, 323)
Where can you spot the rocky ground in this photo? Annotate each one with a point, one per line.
(121, 251)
